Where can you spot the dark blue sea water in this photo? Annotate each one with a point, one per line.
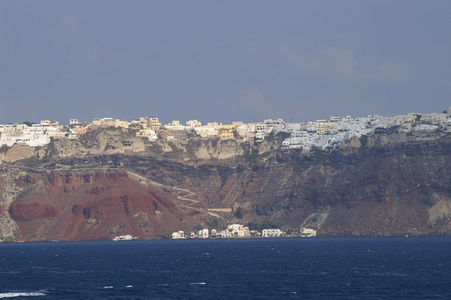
(317, 268)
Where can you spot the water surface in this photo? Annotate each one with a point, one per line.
(317, 268)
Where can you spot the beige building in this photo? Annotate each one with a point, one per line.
(214, 124)
(151, 122)
(155, 123)
(143, 132)
(110, 122)
(207, 131)
(147, 133)
(175, 125)
(227, 132)
(193, 123)
(49, 123)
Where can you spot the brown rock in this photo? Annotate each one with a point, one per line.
(106, 205)
(23, 212)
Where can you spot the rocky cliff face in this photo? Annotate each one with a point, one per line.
(88, 205)
(386, 184)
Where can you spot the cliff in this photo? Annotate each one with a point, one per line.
(108, 184)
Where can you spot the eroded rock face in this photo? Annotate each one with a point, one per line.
(23, 212)
(17, 152)
(93, 206)
(387, 184)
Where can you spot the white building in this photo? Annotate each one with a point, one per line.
(126, 237)
(271, 232)
(425, 127)
(21, 134)
(175, 125)
(206, 131)
(224, 234)
(203, 233)
(193, 123)
(308, 232)
(178, 235)
(238, 230)
(328, 135)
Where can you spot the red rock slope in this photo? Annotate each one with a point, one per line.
(93, 206)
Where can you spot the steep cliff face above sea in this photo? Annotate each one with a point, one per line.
(109, 183)
(88, 205)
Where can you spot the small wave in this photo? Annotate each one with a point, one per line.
(129, 286)
(388, 274)
(288, 293)
(21, 294)
(108, 287)
(198, 283)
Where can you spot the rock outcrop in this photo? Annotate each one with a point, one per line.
(92, 205)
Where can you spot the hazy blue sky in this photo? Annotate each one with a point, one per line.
(222, 60)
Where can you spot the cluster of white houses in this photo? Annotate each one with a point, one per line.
(322, 134)
(35, 135)
(233, 230)
(329, 134)
(239, 231)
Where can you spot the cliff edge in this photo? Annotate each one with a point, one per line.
(108, 184)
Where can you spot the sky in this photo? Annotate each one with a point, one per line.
(222, 61)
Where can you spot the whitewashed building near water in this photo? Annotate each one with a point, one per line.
(126, 237)
(308, 232)
(271, 232)
(178, 235)
(203, 233)
(238, 230)
(224, 234)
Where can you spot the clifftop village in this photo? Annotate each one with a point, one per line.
(326, 134)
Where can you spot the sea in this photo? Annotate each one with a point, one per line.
(283, 268)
